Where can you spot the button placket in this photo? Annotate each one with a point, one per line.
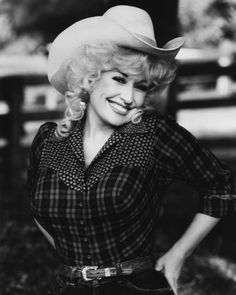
(82, 222)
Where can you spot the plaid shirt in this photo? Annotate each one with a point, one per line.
(107, 213)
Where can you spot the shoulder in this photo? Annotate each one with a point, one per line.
(173, 139)
(47, 127)
(46, 130)
(168, 126)
(165, 124)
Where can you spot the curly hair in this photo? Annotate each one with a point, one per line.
(86, 68)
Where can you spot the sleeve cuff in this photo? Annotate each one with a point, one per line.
(217, 205)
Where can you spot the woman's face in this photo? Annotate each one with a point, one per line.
(115, 97)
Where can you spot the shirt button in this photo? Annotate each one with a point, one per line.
(89, 256)
(81, 204)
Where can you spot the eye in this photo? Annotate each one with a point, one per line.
(119, 79)
(142, 87)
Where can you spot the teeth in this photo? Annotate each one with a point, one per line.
(118, 107)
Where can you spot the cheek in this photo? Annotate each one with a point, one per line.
(97, 92)
(104, 89)
(139, 100)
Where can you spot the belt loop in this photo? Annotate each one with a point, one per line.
(95, 285)
(118, 269)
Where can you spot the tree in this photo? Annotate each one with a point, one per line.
(50, 17)
(206, 24)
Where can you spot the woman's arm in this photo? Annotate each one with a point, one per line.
(201, 169)
(172, 261)
(46, 234)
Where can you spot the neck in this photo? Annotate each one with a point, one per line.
(94, 129)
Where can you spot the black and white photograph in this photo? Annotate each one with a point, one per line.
(117, 147)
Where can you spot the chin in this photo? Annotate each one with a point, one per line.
(116, 122)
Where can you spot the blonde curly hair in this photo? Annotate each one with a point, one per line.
(85, 69)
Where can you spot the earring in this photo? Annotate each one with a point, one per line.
(84, 95)
(82, 105)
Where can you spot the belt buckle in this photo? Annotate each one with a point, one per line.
(84, 272)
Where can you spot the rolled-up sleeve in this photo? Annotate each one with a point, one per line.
(200, 168)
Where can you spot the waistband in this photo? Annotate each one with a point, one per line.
(89, 273)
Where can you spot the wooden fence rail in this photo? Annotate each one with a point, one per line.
(203, 71)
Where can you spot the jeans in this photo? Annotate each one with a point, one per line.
(148, 282)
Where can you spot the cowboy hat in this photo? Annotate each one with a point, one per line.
(126, 26)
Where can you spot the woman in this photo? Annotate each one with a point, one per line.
(97, 178)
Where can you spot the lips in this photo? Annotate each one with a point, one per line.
(118, 107)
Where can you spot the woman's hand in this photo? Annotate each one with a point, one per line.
(171, 264)
(172, 261)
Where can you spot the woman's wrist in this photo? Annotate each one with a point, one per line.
(181, 251)
(195, 233)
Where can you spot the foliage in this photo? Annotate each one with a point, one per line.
(22, 44)
(207, 23)
(47, 17)
(6, 32)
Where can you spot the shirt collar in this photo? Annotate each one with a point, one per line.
(146, 125)
(75, 139)
(131, 128)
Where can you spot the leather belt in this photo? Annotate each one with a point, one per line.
(128, 267)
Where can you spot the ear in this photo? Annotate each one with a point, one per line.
(88, 82)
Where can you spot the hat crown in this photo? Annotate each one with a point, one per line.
(132, 19)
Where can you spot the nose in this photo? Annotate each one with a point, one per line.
(127, 94)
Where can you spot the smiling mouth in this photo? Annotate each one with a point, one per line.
(118, 107)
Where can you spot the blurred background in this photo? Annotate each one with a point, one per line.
(202, 99)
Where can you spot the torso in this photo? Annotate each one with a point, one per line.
(98, 204)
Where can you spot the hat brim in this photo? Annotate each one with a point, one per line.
(94, 30)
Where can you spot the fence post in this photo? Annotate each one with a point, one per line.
(13, 94)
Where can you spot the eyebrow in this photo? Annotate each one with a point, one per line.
(126, 75)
